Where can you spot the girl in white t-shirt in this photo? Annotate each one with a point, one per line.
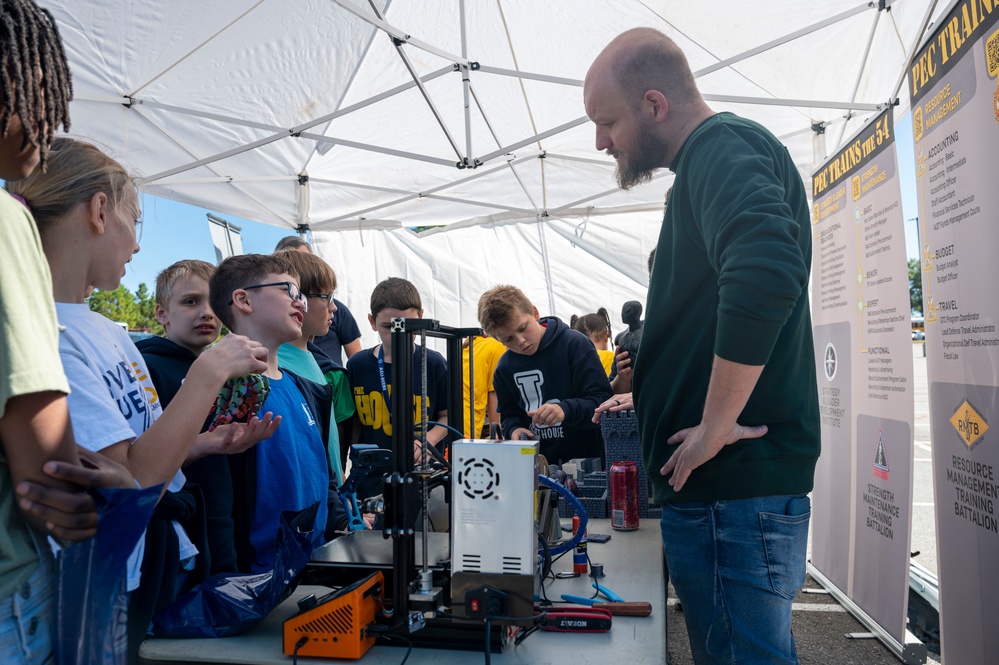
(87, 211)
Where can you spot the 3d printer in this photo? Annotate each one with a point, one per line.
(451, 591)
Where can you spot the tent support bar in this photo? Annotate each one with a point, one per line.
(399, 34)
(584, 160)
(134, 101)
(281, 133)
(546, 263)
(607, 192)
(388, 204)
(224, 178)
(465, 82)
(810, 129)
(912, 652)
(531, 139)
(783, 40)
(578, 83)
(805, 103)
(323, 148)
(911, 52)
(248, 194)
(379, 149)
(492, 132)
(484, 204)
(863, 66)
(423, 91)
(357, 185)
(194, 50)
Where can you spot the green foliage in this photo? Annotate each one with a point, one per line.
(915, 286)
(138, 310)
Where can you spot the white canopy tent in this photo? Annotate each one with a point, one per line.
(355, 119)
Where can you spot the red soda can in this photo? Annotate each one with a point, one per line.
(624, 496)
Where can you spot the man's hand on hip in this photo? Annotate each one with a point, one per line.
(697, 446)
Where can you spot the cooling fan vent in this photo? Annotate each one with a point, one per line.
(478, 478)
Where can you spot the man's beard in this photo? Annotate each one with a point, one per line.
(638, 167)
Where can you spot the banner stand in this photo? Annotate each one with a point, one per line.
(913, 652)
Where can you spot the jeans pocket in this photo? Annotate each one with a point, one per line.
(688, 509)
(785, 539)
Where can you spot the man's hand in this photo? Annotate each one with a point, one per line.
(697, 446)
(547, 415)
(622, 402)
(72, 515)
(233, 438)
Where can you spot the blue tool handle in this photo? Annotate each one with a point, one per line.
(611, 596)
(579, 600)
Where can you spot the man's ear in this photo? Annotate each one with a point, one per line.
(657, 105)
(97, 208)
(241, 301)
(371, 320)
(161, 315)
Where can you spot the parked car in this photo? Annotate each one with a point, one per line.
(918, 334)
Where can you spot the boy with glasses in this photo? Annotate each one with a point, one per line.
(259, 296)
(191, 327)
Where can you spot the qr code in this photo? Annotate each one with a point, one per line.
(917, 123)
(992, 54)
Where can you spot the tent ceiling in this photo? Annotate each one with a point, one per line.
(309, 112)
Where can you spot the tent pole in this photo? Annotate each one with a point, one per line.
(489, 126)
(303, 204)
(863, 66)
(783, 40)
(910, 54)
(465, 83)
(398, 42)
(545, 262)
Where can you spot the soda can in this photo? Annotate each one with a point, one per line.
(624, 496)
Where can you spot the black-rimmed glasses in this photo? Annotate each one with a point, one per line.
(292, 288)
(327, 298)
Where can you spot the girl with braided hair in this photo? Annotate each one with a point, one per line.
(38, 457)
(597, 327)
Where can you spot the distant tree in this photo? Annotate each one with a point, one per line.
(137, 311)
(915, 286)
(146, 302)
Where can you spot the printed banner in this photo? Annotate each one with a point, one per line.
(862, 519)
(954, 88)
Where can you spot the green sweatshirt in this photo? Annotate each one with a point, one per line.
(730, 279)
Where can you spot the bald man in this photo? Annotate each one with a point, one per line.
(725, 388)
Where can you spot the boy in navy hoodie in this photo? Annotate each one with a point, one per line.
(548, 387)
(191, 326)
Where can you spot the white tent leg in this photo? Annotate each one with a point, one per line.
(546, 263)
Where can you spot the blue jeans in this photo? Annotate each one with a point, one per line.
(736, 566)
(26, 616)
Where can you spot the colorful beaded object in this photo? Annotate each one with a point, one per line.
(240, 399)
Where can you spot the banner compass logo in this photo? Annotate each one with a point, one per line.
(830, 362)
(969, 423)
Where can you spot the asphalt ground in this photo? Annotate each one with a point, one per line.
(819, 623)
